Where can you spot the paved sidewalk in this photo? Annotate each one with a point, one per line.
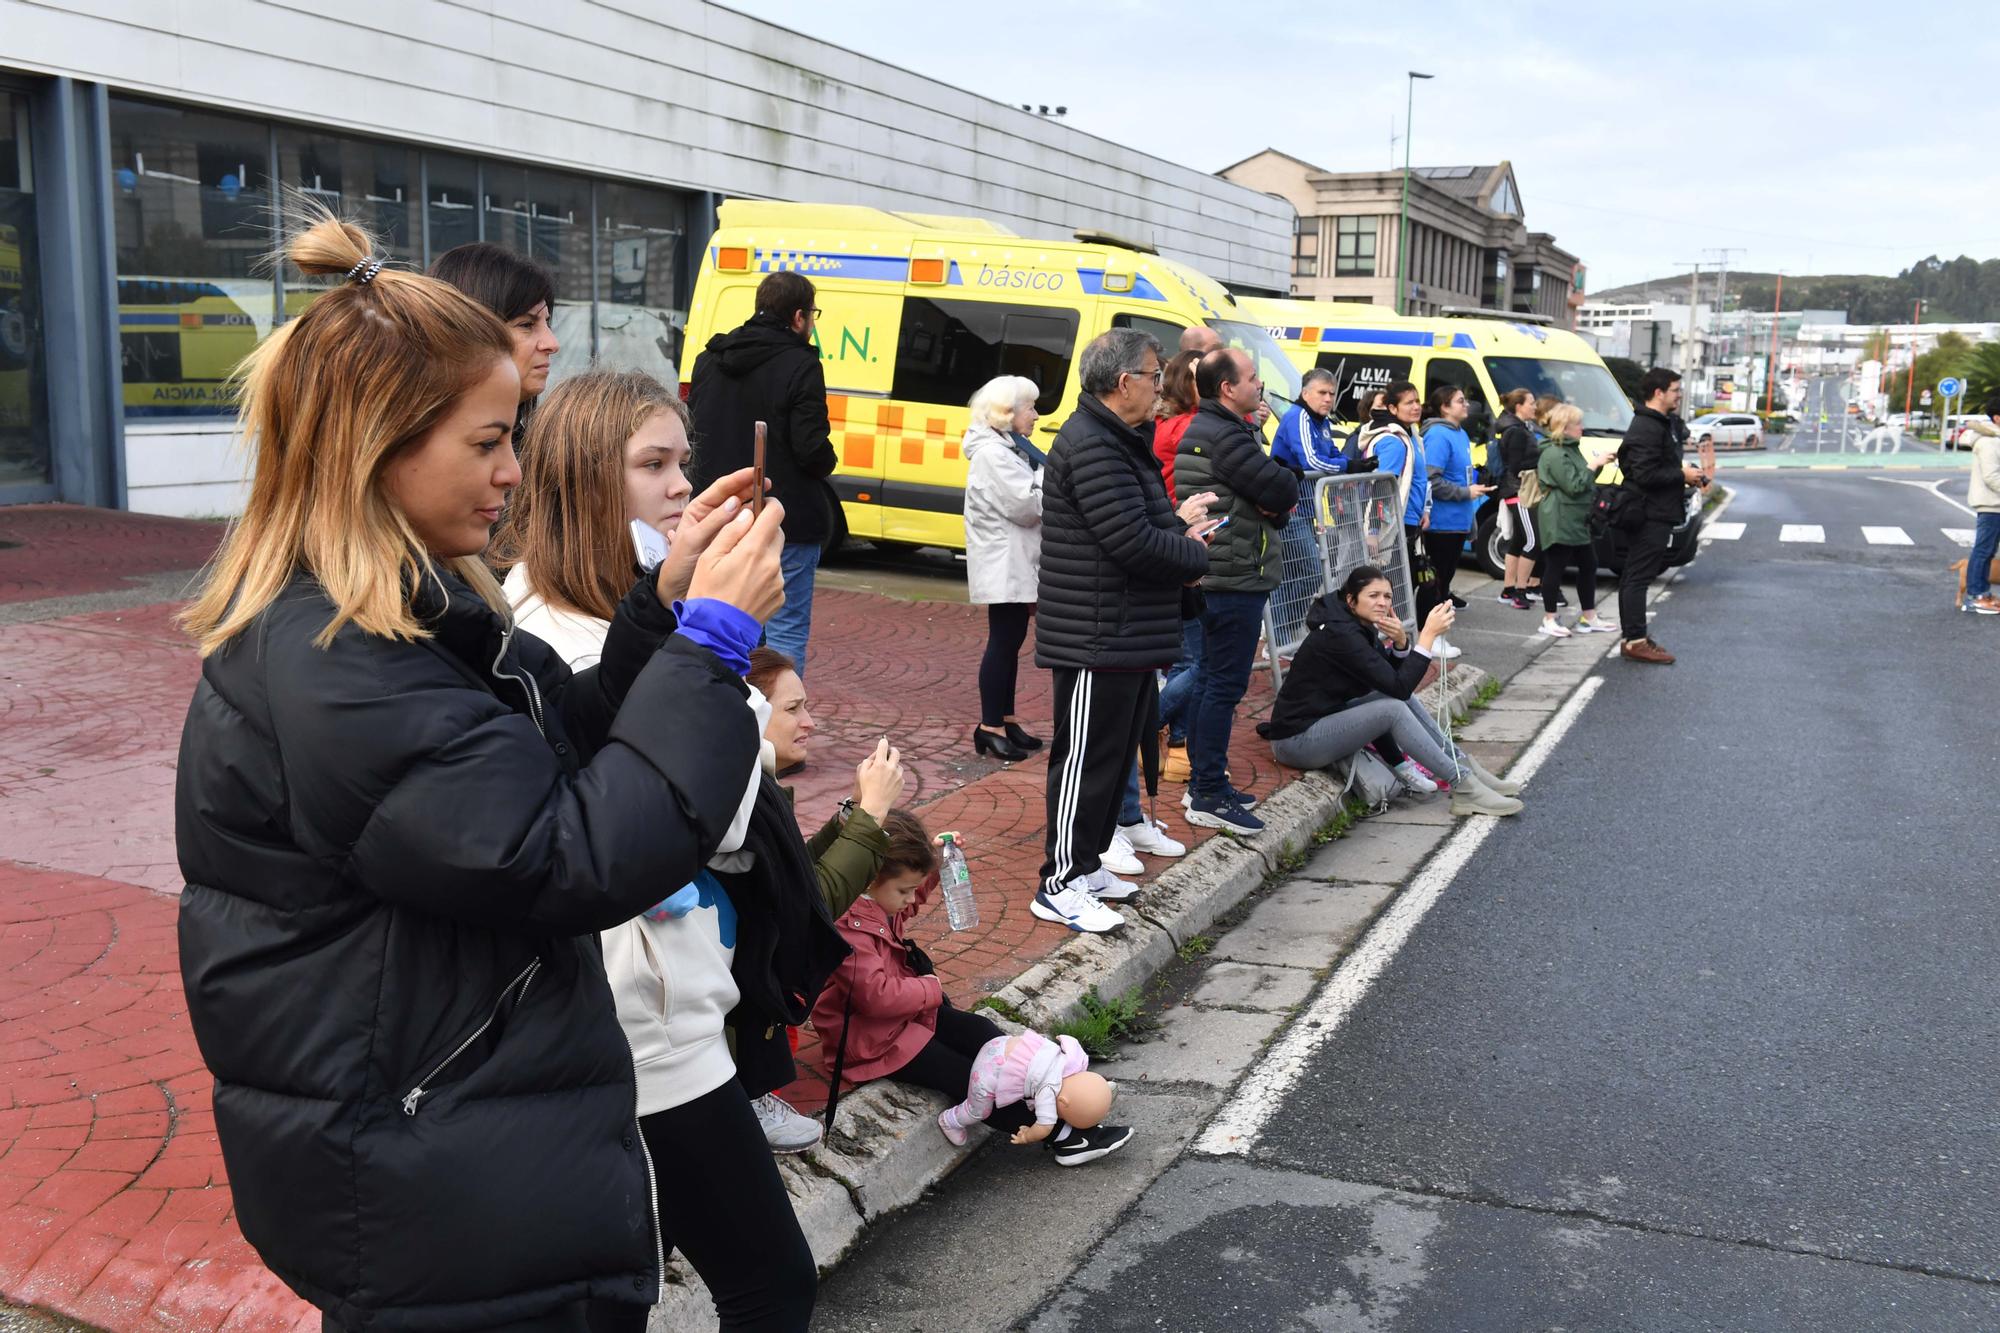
(113, 1206)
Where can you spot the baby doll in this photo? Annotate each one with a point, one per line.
(1051, 1072)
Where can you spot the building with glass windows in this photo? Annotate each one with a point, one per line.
(1469, 244)
(147, 151)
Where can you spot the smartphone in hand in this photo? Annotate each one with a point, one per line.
(757, 471)
(648, 545)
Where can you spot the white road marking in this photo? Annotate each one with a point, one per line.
(1931, 486)
(1236, 1127)
(1886, 536)
(1963, 536)
(1723, 532)
(1802, 532)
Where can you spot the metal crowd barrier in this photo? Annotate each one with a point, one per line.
(1348, 520)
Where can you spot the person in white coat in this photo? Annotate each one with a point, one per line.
(1003, 550)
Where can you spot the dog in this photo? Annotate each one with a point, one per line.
(1961, 566)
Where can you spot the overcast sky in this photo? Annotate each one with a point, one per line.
(1640, 137)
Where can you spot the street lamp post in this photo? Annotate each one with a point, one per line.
(1403, 229)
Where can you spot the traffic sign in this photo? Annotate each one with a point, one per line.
(1951, 386)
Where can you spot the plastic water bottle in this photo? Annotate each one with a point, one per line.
(955, 878)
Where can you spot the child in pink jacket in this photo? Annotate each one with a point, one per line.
(893, 1013)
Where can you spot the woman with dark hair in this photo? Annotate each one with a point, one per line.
(1519, 448)
(1355, 680)
(1178, 401)
(1455, 497)
(523, 294)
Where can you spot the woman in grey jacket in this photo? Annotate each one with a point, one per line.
(1003, 550)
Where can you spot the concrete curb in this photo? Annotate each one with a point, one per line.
(885, 1149)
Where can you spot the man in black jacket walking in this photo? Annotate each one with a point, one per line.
(768, 370)
(1223, 453)
(1115, 557)
(1650, 457)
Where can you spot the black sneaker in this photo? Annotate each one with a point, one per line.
(1087, 1145)
(1506, 597)
(1456, 601)
(1223, 813)
(1519, 601)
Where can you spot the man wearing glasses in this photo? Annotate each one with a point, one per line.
(768, 370)
(1116, 556)
(1222, 452)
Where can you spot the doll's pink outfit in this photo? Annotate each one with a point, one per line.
(1008, 1069)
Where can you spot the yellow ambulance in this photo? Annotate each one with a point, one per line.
(1485, 354)
(918, 311)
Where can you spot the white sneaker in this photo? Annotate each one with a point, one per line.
(1413, 779)
(1554, 629)
(784, 1129)
(1072, 906)
(1592, 627)
(1106, 887)
(1119, 857)
(1444, 651)
(1150, 836)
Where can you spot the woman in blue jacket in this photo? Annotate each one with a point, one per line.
(1454, 496)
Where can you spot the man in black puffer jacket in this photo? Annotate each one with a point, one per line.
(768, 370)
(1222, 452)
(1115, 558)
(1650, 457)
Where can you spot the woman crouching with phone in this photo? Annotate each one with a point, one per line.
(606, 452)
(1355, 679)
(403, 823)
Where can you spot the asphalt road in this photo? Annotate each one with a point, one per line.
(1823, 398)
(1708, 1038)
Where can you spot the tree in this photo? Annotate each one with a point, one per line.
(1627, 372)
(1951, 356)
(1982, 375)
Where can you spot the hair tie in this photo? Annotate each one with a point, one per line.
(364, 271)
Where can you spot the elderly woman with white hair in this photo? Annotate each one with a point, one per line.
(1003, 550)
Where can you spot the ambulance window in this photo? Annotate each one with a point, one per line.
(947, 350)
(1357, 373)
(1164, 332)
(1451, 370)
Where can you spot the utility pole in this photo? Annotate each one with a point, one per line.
(1771, 368)
(1694, 296)
(1910, 384)
(1403, 230)
(1722, 283)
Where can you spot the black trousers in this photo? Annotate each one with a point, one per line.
(1444, 549)
(724, 1206)
(1555, 559)
(1645, 558)
(1006, 631)
(945, 1065)
(1100, 716)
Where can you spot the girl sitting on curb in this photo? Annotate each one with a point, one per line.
(884, 1014)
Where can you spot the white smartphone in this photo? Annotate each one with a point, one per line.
(648, 544)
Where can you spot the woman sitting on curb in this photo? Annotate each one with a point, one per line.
(884, 1013)
(1346, 688)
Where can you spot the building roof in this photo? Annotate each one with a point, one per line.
(1489, 187)
(1270, 152)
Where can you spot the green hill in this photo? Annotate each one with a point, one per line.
(1962, 290)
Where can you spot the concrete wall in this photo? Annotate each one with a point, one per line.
(680, 92)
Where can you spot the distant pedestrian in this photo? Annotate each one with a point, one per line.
(523, 294)
(698, 967)
(1656, 481)
(1255, 495)
(1519, 448)
(1116, 557)
(1983, 494)
(1455, 496)
(1569, 486)
(403, 823)
(1003, 550)
(1354, 681)
(769, 370)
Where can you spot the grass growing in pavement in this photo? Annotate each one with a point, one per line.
(1004, 1009)
(1482, 698)
(1103, 1024)
(1351, 810)
(1195, 947)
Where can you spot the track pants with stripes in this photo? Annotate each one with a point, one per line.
(1100, 716)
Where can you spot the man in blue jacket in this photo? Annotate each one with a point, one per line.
(1307, 441)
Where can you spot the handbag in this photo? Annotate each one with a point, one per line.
(1529, 489)
(1616, 509)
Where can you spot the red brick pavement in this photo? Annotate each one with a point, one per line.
(113, 1205)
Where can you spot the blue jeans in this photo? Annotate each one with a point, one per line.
(1131, 812)
(1229, 629)
(1183, 682)
(792, 625)
(1979, 569)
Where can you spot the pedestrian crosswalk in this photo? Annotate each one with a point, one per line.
(1815, 534)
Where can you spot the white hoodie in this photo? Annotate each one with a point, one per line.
(670, 976)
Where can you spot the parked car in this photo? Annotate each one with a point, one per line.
(1729, 430)
(1956, 436)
